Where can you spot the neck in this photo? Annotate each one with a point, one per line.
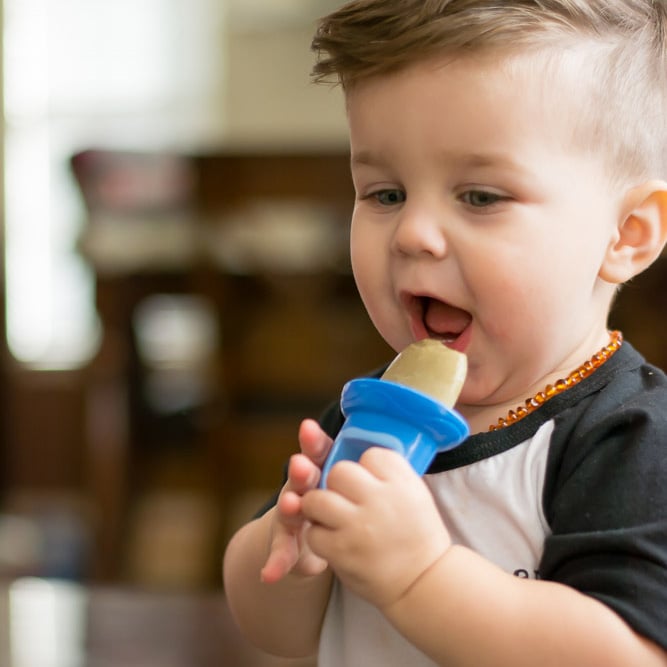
(498, 416)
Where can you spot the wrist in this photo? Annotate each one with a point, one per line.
(423, 581)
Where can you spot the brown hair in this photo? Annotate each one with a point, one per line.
(624, 105)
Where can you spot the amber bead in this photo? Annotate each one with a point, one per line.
(561, 385)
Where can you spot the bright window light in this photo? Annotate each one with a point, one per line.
(47, 623)
(143, 75)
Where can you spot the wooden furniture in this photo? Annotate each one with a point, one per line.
(261, 239)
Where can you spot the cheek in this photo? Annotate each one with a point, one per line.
(357, 260)
(367, 269)
(507, 285)
(366, 255)
(372, 275)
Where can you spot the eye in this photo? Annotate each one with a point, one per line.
(389, 197)
(481, 198)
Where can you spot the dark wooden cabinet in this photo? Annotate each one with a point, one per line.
(291, 330)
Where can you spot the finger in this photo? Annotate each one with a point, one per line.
(302, 474)
(282, 558)
(314, 442)
(385, 464)
(289, 509)
(327, 509)
(352, 481)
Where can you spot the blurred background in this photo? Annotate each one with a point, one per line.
(176, 298)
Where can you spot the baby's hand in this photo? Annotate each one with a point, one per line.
(288, 551)
(376, 525)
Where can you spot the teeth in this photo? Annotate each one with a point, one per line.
(447, 337)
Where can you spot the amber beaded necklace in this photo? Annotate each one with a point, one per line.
(560, 386)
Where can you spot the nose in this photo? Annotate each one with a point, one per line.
(419, 232)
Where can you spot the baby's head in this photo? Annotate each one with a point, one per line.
(619, 48)
(509, 162)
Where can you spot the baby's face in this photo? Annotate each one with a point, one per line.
(478, 222)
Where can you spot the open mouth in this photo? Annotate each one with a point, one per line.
(444, 321)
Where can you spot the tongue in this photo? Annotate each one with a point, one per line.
(445, 321)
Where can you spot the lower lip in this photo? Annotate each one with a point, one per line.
(460, 343)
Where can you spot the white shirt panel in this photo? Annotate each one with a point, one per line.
(493, 506)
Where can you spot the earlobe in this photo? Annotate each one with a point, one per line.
(641, 233)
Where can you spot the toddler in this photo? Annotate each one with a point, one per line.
(509, 161)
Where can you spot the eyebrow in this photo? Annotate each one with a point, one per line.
(366, 158)
(479, 160)
(467, 160)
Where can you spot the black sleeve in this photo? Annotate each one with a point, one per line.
(331, 419)
(606, 502)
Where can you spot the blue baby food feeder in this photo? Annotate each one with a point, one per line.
(382, 413)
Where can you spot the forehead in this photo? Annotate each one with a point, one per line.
(451, 116)
(545, 71)
(475, 99)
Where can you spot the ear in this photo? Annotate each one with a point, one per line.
(641, 233)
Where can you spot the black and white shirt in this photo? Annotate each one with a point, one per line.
(575, 493)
